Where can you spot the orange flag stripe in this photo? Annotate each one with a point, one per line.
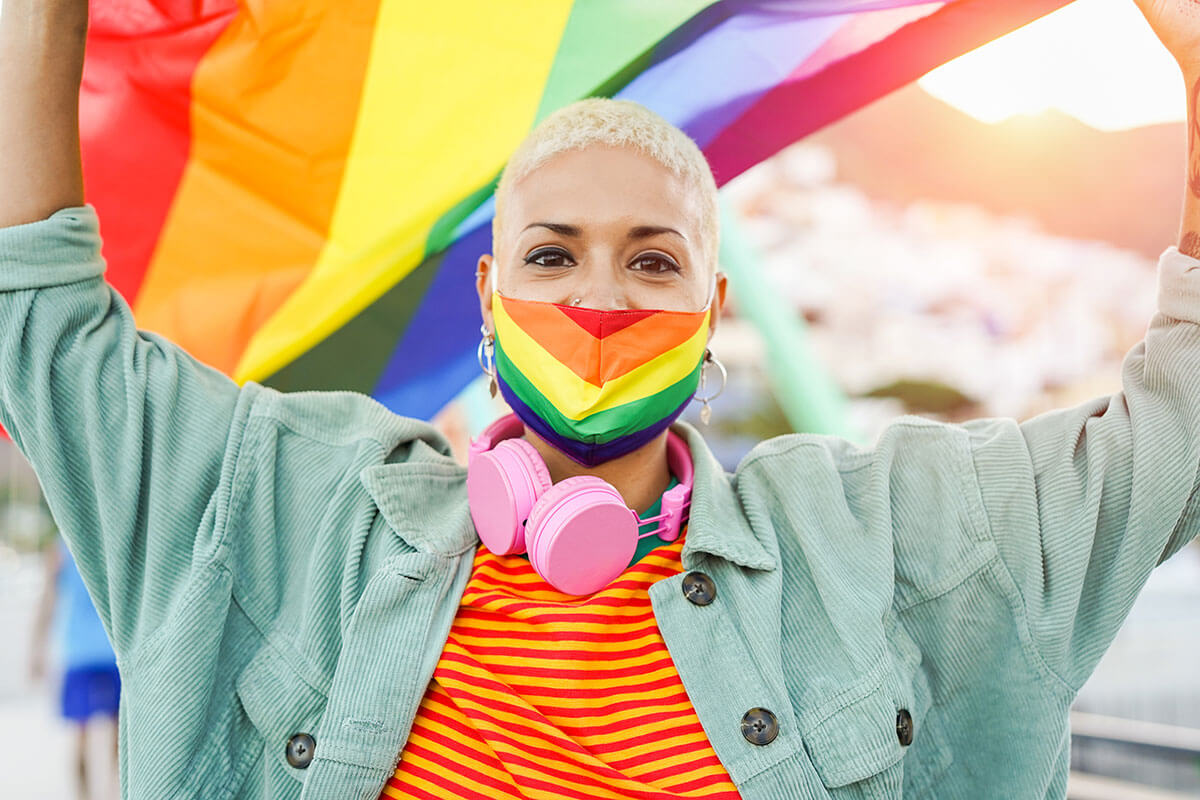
(578, 350)
(255, 200)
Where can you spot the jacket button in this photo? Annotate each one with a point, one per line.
(698, 588)
(759, 726)
(904, 727)
(300, 750)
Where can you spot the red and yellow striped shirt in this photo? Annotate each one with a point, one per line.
(540, 694)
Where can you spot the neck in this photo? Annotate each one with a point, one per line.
(640, 477)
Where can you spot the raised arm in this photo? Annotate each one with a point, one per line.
(41, 61)
(1177, 25)
(1083, 503)
(132, 440)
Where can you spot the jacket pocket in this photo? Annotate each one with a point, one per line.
(280, 705)
(860, 744)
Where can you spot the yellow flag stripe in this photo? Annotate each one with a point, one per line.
(395, 185)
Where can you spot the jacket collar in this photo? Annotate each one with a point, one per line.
(424, 499)
(425, 502)
(717, 525)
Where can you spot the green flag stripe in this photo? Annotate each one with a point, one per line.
(606, 425)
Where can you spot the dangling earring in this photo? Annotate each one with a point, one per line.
(487, 349)
(706, 410)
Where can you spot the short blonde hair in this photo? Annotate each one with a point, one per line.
(616, 123)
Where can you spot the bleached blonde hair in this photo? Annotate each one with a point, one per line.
(616, 123)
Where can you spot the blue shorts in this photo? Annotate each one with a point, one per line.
(90, 690)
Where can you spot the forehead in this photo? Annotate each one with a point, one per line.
(603, 186)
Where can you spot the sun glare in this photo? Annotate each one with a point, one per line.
(1096, 60)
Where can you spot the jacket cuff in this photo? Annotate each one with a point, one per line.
(63, 248)
(1179, 285)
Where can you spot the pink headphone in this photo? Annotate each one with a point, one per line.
(579, 533)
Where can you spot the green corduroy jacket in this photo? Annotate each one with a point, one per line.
(269, 564)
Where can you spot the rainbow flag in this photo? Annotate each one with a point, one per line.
(297, 192)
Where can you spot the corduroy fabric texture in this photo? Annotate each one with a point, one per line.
(271, 564)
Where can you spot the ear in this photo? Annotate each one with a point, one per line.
(483, 286)
(718, 305)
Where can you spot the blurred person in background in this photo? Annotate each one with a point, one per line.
(68, 633)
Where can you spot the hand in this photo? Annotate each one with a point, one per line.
(1177, 25)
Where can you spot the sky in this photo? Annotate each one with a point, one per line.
(1096, 60)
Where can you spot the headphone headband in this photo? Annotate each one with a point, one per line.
(507, 427)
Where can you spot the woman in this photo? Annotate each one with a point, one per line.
(296, 590)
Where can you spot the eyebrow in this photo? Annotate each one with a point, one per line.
(574, 231)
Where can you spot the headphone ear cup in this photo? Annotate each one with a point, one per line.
(581, 535)
(503, 486)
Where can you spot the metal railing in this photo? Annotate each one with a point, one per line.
(1166, 740)
(1081, 786)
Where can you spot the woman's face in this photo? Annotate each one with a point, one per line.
(605, 228)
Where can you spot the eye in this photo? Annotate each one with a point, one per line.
(654, 264)
(549, 257)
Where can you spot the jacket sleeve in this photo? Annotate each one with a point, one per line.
(1083, 503)
(131, 438)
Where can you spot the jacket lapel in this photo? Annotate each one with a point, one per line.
(728, 652)
(397, 631)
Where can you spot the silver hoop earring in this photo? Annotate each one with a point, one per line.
(706, 410)
(485, 353)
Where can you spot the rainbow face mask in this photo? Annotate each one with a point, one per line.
(597, 384)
